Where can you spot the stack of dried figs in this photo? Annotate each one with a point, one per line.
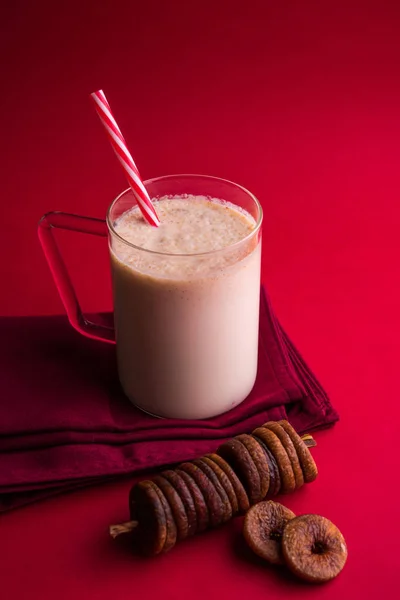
(310, 545)
(210, 490)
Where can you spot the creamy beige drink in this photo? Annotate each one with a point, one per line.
(186, 301)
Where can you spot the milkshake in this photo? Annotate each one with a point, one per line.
(186, 305)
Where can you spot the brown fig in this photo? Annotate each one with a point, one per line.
(240, 492)
(263, 527)
(288, 482)
(187, 499)
(290, 450)
(212, 476)
(172, 532)
(238, 457)
(147, 508)
(313, 548)
(202, 515)
(274, 477)
(176, 505)
(216, 509)
(259, 460)
(307, 462)
(224, 481)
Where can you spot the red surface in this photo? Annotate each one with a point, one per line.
(297, 101)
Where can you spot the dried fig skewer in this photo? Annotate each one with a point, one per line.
(314, 548)
(263, 527)
(178, 507)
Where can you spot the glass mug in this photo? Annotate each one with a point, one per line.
(186, 325)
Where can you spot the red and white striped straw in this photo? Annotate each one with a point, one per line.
(124, 156)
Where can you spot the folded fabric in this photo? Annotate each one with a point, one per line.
(65, 423)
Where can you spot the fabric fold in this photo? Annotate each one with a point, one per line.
(64, 422)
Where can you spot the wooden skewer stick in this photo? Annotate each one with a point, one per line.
(309, 440)
(116, 530)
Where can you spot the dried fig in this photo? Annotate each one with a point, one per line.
(184, 494)
(307, 462)
(146, 507)
(216, 509)
(240, 492)
(176, 505)
(313, 548)
(290, 450)
(202, 516)
(263, 527)
(288, 483)
(260, 461)
(212, 476)
(274, 477)
(171, 536)
(238, 457)
(225, 482)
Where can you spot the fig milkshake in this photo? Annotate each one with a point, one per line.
(186, 304)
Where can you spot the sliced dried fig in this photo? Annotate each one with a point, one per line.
(290, 450)
(202, 516)
(263, 527)
(187, 499)
(216, 509)
(314, 548)
(176, 505)
(307, 462)
(260, 461)
(274, 477)
(240, 492)
(212, 476)
(278, 483)
(225, 482)
(288, 483)
(171, 536)
(239, 458)
(146, 507)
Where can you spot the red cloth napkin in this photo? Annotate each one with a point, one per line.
(64, 421)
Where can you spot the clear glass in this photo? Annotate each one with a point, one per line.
(186, 325)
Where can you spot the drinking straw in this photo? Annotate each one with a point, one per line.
(124, 156)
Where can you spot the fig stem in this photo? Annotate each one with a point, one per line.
(121, 528)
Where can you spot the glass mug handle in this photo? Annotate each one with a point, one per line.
(60, 220)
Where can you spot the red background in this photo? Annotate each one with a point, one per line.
(299, 102)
